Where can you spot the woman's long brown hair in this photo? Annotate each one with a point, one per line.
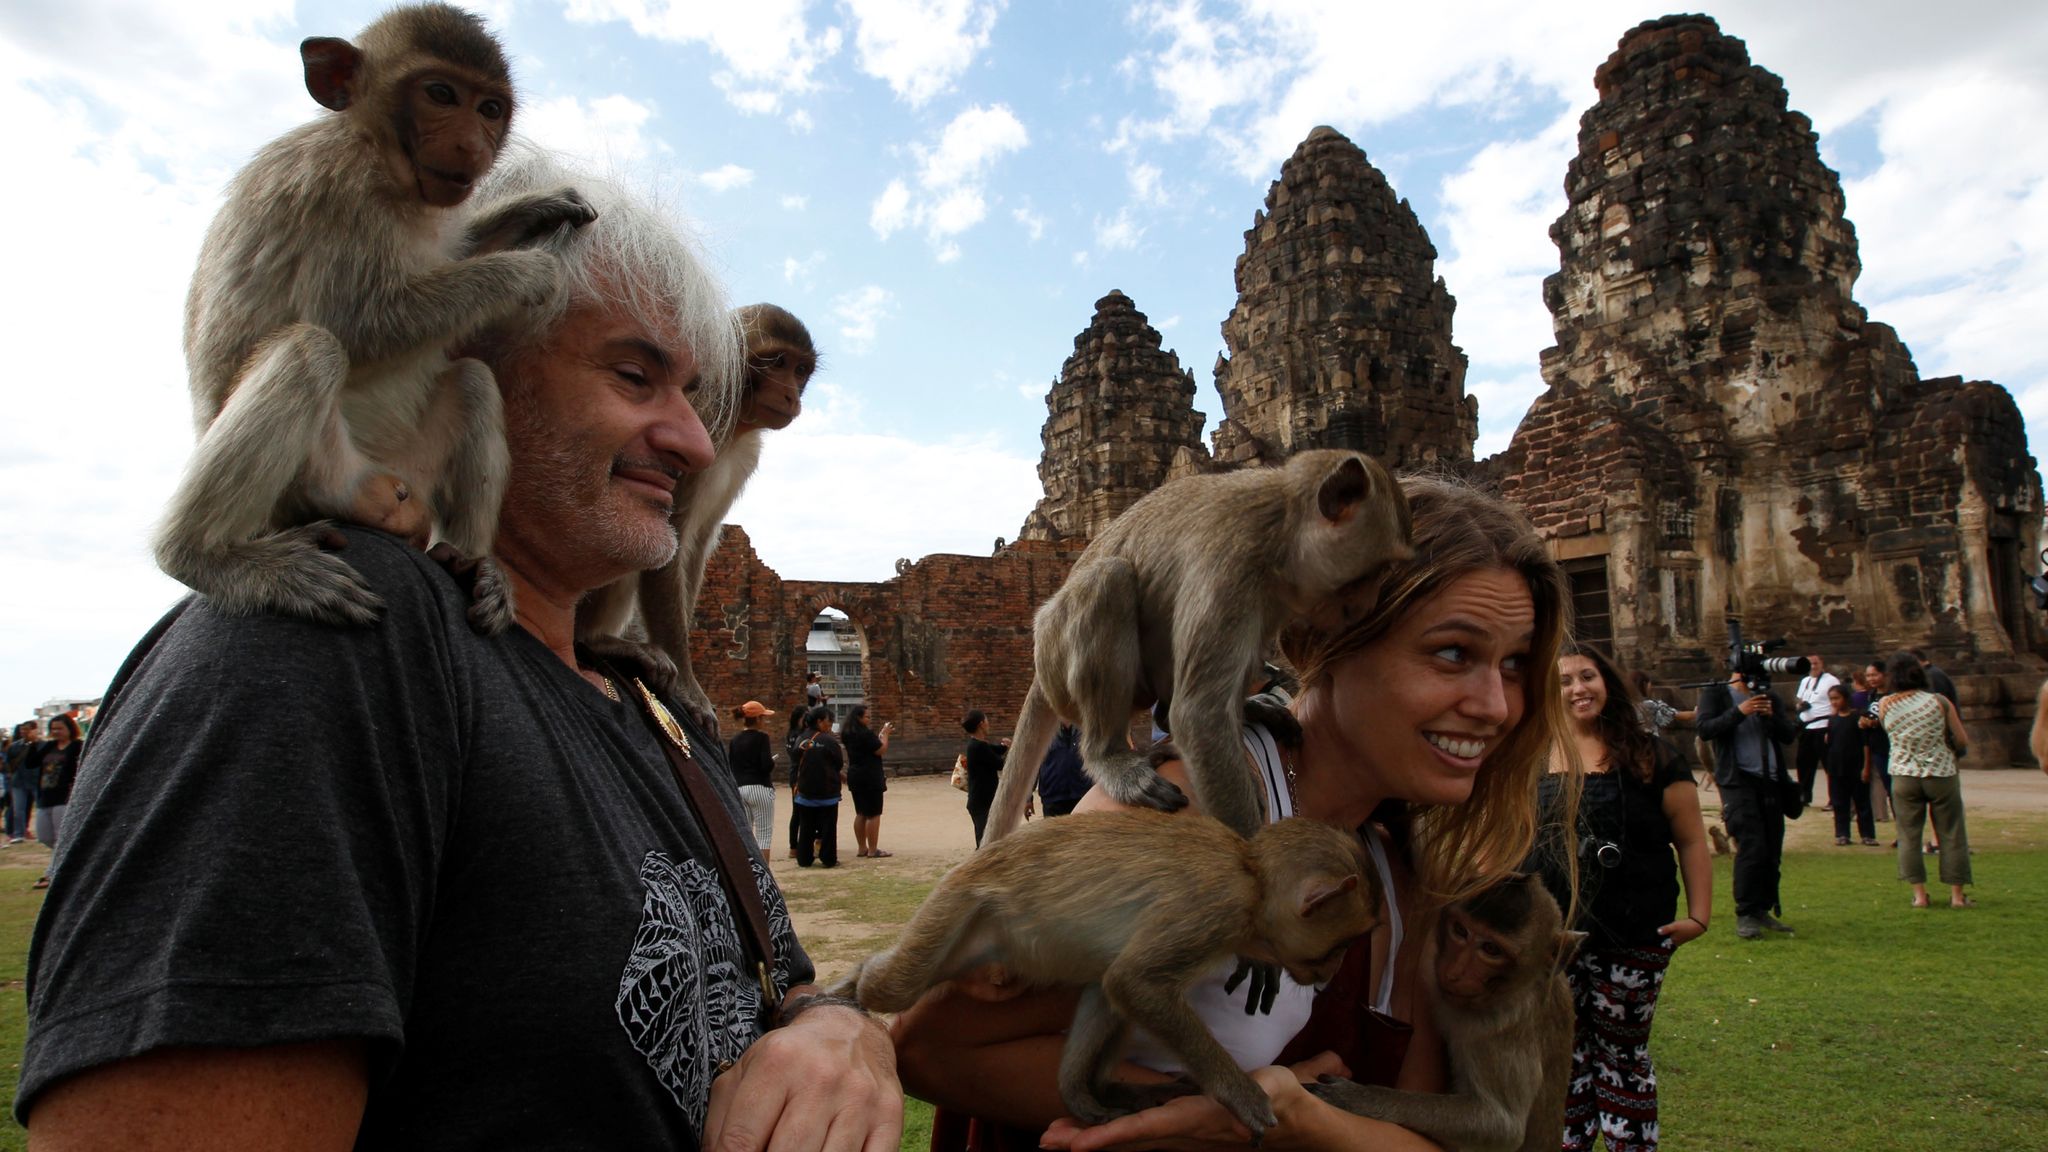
(1464, 848)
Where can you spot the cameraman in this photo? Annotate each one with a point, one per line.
(1747, 730)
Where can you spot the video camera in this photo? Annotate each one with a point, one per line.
(1755, 661)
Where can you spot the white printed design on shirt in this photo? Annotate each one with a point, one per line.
(686, 999)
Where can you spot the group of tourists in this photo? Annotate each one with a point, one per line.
(296, 900)
(37, 770)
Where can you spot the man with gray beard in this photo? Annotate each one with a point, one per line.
(410, 886)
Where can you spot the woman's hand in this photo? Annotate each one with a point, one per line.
(1199, 1124)
(1683, 931)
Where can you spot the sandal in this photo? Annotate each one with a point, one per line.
(1965, 902)
(41, 882)
(1923, 904)
(878, 853)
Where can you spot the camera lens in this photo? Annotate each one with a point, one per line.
(1609, 855)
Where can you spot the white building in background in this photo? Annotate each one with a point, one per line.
(833, 650)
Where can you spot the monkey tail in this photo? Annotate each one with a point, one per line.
(1037, 724)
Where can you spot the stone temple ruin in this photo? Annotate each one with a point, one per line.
(1723, 429)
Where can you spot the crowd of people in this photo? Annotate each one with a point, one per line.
(40, 768)
(295, 901)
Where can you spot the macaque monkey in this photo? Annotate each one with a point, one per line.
(1134, 907)
(1177, 602)
(329, 290)
(780, 359)
(1494, 971)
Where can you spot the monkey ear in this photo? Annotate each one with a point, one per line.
(1321, 892)
(1347, 485)
(331, 66)
(1568, 947)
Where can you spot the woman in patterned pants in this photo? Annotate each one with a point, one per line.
(1639, 803)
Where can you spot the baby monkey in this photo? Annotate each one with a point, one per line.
(1133, 907)
(1494, 971)
(1177, 602)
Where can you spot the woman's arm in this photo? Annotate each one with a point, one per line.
(1681, 803)
(1954, 720)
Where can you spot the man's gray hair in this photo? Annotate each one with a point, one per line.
(637, 256)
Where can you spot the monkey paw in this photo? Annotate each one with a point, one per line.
(387, 503)
(1357, 1099)
(1265, 984)
(1271, 713)
(490, 599)
(1129, 779)
(302, 576)
(654, 665)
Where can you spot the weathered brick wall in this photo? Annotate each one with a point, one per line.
(1341, 336)
(948, 633)
(1121, 420)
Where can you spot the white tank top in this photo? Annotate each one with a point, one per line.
(1254, 1041)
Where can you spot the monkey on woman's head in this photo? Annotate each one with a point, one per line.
(329, 289)
(780, 361)
(1495, 975)
(1176, 602)
(1133, 907)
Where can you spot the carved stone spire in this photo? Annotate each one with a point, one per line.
(1120, 421)
(1341, 337)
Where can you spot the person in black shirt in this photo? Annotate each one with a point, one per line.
(752, 759)
(1061, 780)
(820, 773)
(1638, 804)
(984, 767)
(1848, 774)
(865, 777)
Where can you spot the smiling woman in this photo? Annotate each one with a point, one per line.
(1424, 726)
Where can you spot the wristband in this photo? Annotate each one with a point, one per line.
(1698, 921)
(791, 1009)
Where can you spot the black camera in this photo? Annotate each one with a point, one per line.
(1755, 661)
(1605, 853)
(2038, 585)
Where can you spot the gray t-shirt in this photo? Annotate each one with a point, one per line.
(453, 847)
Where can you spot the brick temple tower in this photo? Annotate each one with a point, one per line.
(1341, 337)
(1121, 421)
(1724, 430)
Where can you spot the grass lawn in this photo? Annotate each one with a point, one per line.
(1877, 1027)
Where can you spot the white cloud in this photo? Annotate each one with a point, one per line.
(1494, 229)
(800, 122)
(768, 48)
(920, 47)
(952, 176)
(1080, 259)
(1119, 233)
(602, 132)
(801, 272)
(1168, 324)
(860, 314)
(1033, 223)
(919, 497)
(793, 203)
(130, 119)
(1145, 187)
(726, 177)
(891, 210)
(969, 145)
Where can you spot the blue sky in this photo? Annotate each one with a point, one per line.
(942, 189)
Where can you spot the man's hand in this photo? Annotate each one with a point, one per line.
(824, 1081)
(1754, 705)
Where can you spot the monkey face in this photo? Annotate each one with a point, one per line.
(776, 379)
(1473, 961)
(451, 125)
